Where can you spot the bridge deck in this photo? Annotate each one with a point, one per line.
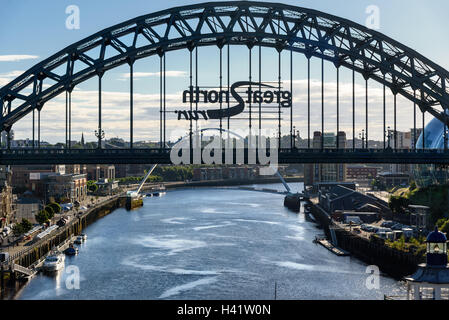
(162, 156)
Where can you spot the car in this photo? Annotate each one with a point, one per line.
(383, 230)
(387, 224)
(397, 226)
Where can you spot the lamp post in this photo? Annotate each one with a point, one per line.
(388, 137)
(294, 137)
(362, 136)
(100, 135)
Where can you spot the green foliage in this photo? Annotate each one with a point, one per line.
(163, 173)
(440, 223)
(50, 211)
(64, 200)
(43, 216)
(434, 197)
(22, 227)
(27, 225)
(92, 186)
(55, 207)
(398, 204)
(445, 227)
(174, 173)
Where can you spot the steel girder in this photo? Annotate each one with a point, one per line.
(280, 26)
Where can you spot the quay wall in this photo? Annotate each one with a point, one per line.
(28, 257)
(372, 251)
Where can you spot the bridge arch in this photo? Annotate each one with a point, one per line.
(284, 27)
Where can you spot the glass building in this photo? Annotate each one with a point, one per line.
(426, 175)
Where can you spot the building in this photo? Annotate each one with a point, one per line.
(131, 170)
(4, 137)
(361, 172)
(107, 187)
(389, 179)
(6, 197)
(419, 216)
(73, 169)
(315, 173)
(23, 176)
(228, 173)
(405, 141)
(71, 187)
(98, 172)
(341, 198)
(28, 208)
(365, 217)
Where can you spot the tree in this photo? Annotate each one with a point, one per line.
(42, 217)
(92, 186)
(27, 225)
(17, 230)
(445, 227)
(50, 211)
(398, 204)
(55, 207)
(21, 228)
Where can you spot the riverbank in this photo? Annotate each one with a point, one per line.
(34, 252)
(26, 257)
(373, 251)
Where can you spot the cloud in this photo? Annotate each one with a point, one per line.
(16, 57)
(115, 115)
(6, 78)
(139, 75)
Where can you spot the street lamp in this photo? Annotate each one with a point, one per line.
(362, 136)
(388, 133)
(100, 135)
(294, 137)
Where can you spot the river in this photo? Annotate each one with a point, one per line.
(208, 244)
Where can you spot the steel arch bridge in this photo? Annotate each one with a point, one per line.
(255, 25)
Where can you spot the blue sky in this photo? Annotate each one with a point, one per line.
(37, 29)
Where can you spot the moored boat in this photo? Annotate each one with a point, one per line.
(71, 250)
(54, 262)
(79, 240)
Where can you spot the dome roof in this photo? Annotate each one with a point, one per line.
(436, 236)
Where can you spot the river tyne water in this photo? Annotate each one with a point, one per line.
(208, 244)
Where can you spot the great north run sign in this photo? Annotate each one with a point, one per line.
(267, 96)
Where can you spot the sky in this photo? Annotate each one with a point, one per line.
(33, 30)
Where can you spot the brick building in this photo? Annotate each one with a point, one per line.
(361, 172)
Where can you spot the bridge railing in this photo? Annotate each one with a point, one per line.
(55, 151)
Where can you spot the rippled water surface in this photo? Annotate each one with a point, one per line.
(208, 244)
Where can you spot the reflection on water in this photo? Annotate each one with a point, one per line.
(208, 244)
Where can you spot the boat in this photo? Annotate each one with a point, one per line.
(79, 240)
(54, 262)
(84, 236)
(329, 246)
(71, 250)
(156, 194)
